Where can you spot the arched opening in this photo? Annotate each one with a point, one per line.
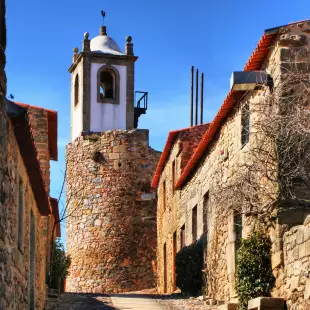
(76, 90)
(107, 85)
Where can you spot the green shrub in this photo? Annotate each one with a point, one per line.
(60, 264)
(189, 263)
(254, 272)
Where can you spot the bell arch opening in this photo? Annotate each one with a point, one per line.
(108, 85)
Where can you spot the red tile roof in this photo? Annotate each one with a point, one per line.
(168, 146)
(55, 211)
(52, 128)
(255, 62)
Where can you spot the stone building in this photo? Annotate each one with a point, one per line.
(28, 140)
(27, 211)
(111, 224)
(193, 197)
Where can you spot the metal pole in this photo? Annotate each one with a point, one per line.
(192, 95)
(196, 111)
(201, 98)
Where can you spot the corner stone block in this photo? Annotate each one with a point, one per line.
(266, 303)
(229, 306)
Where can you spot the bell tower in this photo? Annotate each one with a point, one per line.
(102, 86)
(111, 207)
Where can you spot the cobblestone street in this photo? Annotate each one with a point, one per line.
(129, 301)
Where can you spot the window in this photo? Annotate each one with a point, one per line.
(237, 230)
(76, 90)
(173, 175)
(164, 195)
(107, 85)
(194, 223)
(245, 124)
(20, 214)
(182, 236)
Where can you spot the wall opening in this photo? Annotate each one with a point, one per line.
(194, 223)
(237, 232)
(245, 124)
(164, 195)
(76, 90)
(182, 236)
(107, 85)
(165, 268)
(173, 175)
(174, 253)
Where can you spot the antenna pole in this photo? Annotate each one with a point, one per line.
(196, 110)
(192, 95)
(201, 98)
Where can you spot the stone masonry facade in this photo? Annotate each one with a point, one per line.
(111, 224)
(290, 258)
(15, 260)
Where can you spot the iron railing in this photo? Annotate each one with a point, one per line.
(141, 99)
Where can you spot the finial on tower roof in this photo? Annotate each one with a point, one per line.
(103, 28)
(103, 16)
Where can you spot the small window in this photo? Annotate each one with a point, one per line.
(194, 223)
(107, 85)
(245, 124)
(182, 236)
(164, 195)
(20, 214)
(76, 90)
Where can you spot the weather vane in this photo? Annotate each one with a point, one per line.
(103, 16)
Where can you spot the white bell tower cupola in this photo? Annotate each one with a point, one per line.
(102, 86)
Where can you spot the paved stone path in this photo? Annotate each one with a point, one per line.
(134, 302)
(126, 301)
(67, 301)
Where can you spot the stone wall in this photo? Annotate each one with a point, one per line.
(14, 261)
(219, 166)
(296, 276)
(111, 224)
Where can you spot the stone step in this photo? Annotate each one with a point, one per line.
(124, 302)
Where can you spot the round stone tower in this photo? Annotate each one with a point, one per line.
(111, 208)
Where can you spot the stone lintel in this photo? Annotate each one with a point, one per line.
(266, 303)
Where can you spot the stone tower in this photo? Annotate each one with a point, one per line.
(111, 209)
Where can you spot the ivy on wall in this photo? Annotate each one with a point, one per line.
(254, 272)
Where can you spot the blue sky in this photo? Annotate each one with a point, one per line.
(169, 36)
